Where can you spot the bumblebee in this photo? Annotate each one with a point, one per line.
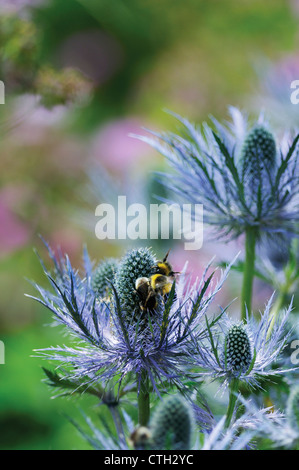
(159, 283)
(148, 289)
(164, 267)
(141, 437)
(146, 293)
(163, 276)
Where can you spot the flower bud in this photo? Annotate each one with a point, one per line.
(258, 156)
(237, 349)
(137, 263)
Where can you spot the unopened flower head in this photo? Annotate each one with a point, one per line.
(171, 425)
(241, 175)
(235, 350)
(258, 158)
(137, 263)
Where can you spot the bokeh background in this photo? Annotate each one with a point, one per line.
(80, 76)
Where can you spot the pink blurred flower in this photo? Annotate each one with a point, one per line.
(294, 4)
(197, 263)
(67, 241)
(13, 233)
(197, 260)
(283, 73)
(17, 6)
(31, 122)
(113, 146)
(275, 90)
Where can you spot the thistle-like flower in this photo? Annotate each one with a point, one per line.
(237, 349)
(239, 174)
(113, 343)
(245, 351)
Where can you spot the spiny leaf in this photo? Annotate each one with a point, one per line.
(232, 167)
(166, 313)
(284, 164)
(199, 298)
(72, 385)
(119, 314)
(212, 340)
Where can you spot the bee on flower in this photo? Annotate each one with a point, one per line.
(119, 338)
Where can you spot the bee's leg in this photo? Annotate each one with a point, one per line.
(151, 301)
(138, 293)
(147, 300)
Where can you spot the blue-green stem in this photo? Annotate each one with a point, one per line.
(282, 296)
(143, 400)
(277, 307)
(233, 394)
(248, 275)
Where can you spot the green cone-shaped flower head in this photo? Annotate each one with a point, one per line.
(293, 408)
(103, 273)
(237, 349)
(135, 264)
(171, 425)
(258, 156)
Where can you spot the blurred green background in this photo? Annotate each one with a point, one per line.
(80, 75)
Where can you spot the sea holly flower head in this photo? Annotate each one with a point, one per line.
(137, 263)
(258, 160)
(237, 349)
(245, 351)
(113, 343)
(239, 172)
